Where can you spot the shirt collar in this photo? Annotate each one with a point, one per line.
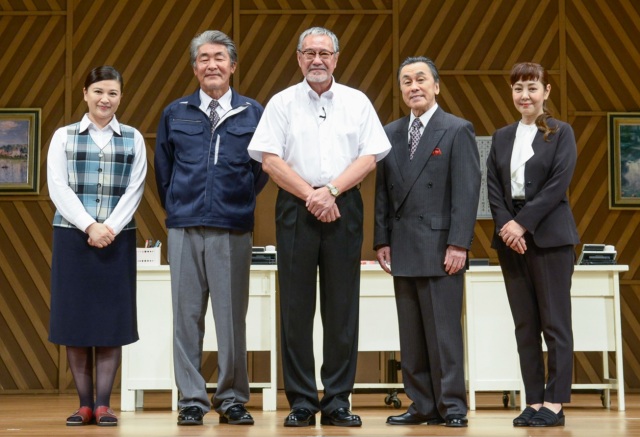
(86, 123)
(424, 118)
(224, 101)
(313, 95)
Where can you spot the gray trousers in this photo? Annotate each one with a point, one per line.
(210, 262)
(429, 312)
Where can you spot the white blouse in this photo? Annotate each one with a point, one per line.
(522, 152)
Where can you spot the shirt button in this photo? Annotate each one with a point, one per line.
(100, 154)
(99, 170)
(97, 200)
(99, 185)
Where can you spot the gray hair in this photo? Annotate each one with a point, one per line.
(212, 37)
(414, 60)
(319, 31)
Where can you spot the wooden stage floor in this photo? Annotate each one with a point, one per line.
(44, 416)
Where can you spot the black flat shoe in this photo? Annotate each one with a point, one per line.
(456, 421)
(190, 416)
(546, 417)
(341, 417)
(236, 415)
(413, 419)
(300, 417)
(524, 417)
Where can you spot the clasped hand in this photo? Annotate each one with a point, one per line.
(322, 205)
(512, 233)
(100, 235)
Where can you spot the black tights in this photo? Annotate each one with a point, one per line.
(81, 363)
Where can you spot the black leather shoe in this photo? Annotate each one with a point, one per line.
(300, 417)
(524, 417)
(413, 419)
(546, 417)
(190, 416)
(236, 415)
(456, 421)
(341, 417)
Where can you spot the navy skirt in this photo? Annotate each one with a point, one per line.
(93, 291)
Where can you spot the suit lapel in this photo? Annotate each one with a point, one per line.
(411, 169)
(506, 159)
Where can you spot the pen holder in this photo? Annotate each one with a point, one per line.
(148, 256)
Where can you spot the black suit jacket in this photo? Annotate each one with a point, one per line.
(430, 202)
(546, 214)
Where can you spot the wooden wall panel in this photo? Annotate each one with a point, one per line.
(31, 76)
(588, 46)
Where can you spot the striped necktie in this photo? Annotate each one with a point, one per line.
(414, 135)
(213, 115)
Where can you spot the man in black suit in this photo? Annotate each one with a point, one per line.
(426, 202)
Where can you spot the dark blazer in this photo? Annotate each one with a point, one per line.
(547, 214)
(430, 202)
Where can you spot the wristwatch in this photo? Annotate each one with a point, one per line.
(333, 190)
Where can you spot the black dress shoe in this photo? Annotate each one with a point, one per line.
(456, 421)
(190, 416)
(341, 417)
(300, 417)
(413, 419)
(546, 417)
(236, 415)
(524, 417)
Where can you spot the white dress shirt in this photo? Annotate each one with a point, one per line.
(319, 136)
(424, 119)
(224, 103)
(522, 152)
(64, 198)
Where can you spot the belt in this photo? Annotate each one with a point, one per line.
(356, 188)
(518, 204)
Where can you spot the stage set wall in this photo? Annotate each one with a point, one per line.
(48, 47)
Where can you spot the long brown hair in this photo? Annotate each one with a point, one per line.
(532, 71)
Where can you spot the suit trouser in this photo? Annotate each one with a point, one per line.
(429, 313)
(210, 262)
(538, 286)
(306, 247)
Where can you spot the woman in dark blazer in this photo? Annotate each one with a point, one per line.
(528, 173)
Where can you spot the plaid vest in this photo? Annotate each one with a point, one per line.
(98, 177)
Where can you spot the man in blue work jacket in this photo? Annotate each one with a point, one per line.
(208, 184)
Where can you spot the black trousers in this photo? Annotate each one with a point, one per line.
(308, 248)
(539, 290)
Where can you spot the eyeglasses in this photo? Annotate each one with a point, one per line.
(310, 55)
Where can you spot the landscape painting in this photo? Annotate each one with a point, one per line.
(19, 151)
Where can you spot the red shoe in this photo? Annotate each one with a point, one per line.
(83, 416)
(105, 417)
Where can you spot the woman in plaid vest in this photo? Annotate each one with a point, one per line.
(95, 173)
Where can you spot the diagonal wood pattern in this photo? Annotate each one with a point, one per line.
(588, 46)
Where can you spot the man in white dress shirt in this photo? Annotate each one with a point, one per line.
(318, 140)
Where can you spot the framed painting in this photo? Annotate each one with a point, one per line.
(19, 151)
(624, 160)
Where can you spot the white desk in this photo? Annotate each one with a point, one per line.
(148, 363)
(492, 357)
